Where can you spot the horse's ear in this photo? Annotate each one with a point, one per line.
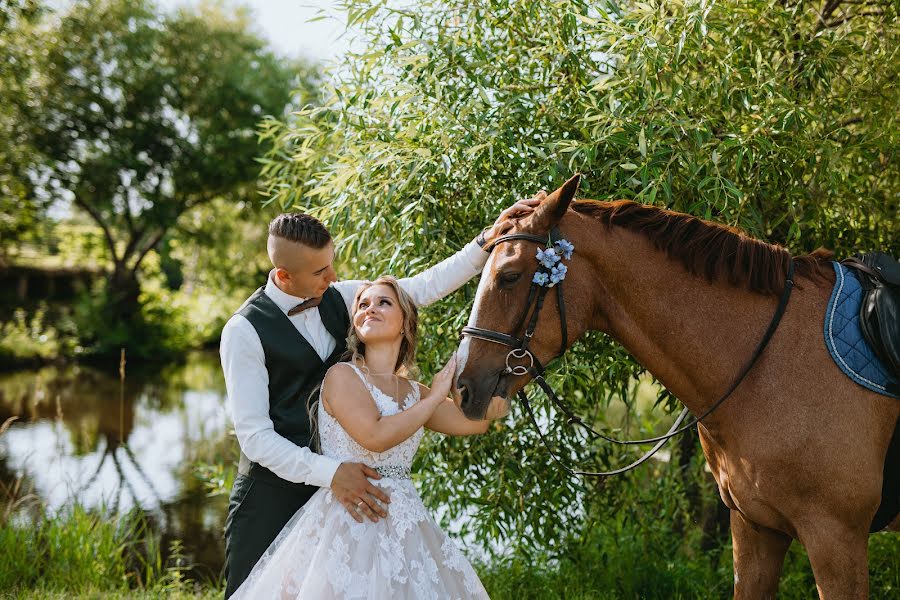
(556, 204)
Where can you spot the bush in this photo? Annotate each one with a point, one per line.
(168, 324)
(28, 338)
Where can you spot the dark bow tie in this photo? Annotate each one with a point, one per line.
(304, 305)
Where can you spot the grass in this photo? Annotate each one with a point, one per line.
(88, 554)
(632, 568)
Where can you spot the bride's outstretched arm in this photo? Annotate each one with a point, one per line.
(346, 398)
(449, 419)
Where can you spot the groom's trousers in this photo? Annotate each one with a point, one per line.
(258, 509)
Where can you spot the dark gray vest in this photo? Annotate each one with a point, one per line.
(294, 367)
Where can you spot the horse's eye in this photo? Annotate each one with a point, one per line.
(508, 278)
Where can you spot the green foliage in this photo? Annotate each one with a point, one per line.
(19, 216)
(222, 247)
(168, 323)
(28, 338)
(137, 118)
(776, 117)
(636, 565)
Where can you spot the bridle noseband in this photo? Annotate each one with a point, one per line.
(519, 345)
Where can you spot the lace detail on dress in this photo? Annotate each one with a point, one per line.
(338, 444)
(323, 552)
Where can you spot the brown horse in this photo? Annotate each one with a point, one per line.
(797, 450)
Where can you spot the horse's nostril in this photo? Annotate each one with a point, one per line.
(464, 395)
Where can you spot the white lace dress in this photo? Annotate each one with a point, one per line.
(323, 552)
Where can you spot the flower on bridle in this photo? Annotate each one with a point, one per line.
(541, 278)
(551, 269)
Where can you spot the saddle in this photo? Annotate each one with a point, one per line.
(879, 313)
(878, 277)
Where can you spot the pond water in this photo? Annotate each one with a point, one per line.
(83, 435)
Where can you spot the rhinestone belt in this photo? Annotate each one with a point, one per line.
(394, 471)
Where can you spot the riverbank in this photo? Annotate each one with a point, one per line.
(85, 555)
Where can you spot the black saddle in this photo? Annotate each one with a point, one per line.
(879, 320)
(879, 314)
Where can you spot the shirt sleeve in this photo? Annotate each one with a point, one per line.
(247, 385)
(434, 283)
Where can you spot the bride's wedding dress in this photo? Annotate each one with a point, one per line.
(323, 552)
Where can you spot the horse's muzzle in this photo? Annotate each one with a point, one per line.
(476, 394)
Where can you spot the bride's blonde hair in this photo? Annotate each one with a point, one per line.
(356, 349)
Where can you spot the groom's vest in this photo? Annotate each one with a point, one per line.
(295, 368)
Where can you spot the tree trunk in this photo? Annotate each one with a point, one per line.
(124, 289)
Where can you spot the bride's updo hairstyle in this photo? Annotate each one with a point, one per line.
(406, 360)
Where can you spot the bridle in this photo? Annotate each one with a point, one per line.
(520, 351)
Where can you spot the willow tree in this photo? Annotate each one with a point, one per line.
(778, 117)
(138, 117)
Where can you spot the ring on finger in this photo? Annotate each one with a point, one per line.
(360, 504)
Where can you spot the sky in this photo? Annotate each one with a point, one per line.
(285, 24)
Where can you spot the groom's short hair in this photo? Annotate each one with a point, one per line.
(301, 228)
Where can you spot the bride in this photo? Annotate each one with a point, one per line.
(370, 412)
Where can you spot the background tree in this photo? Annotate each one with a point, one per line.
(138, 118)
(777, 117)
(20, 211)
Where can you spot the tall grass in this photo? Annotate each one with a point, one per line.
(82, 553)
(643, 565)
(645, 538)
(649, 561)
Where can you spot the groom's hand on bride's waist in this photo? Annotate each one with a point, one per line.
(352, 488)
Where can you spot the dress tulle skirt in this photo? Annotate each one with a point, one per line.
(323, 553)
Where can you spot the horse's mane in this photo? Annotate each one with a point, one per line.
(717, 252)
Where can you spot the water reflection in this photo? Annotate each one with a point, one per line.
(82, 435)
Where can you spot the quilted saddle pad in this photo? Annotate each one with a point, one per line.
(844, 338)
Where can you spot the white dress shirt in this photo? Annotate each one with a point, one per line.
(247, 380)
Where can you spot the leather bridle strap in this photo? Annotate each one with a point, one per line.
(524, 399)
(760, 347)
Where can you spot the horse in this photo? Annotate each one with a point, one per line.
(797, 450)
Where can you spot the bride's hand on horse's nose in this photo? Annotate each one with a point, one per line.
(443, 381)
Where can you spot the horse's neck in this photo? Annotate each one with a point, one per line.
(692, 335)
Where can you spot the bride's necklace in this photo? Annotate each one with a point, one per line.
(396, 379)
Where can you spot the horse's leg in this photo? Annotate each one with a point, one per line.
(758, 558)
(839, 559)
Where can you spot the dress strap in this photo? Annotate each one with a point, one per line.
(363, 377)
(375, 392)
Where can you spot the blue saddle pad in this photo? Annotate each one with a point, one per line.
(844, 338)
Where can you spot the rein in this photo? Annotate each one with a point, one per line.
(536, 295)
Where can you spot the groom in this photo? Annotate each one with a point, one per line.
(275, 351)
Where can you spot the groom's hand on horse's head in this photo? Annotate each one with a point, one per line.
(352, 488)
(502, 225)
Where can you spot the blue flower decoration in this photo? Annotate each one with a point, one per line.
(557, 274)
(551, 270)
(565, 248)
(547, 257)
(541, 278)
